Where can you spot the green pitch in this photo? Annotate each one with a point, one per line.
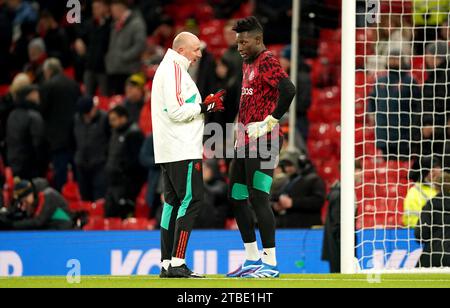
(286, 281)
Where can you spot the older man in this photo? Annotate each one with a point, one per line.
(178, 124)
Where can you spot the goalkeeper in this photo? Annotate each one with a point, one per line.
(178, 125)
(266, 96)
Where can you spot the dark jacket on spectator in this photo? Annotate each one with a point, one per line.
(59, 97)
(215, 206)
(25, 141)
(58, 45)
(147, 160)
(205, 76)
(332, 233)
(232, 83)
(97, 42)
(122, 166)
(395, 97)
(6, 106)
(126, 46)
(433, 232)
(92, 140)
(308, 192)
(5, 43)
(134, 109)
(52, 213)
(436, 94)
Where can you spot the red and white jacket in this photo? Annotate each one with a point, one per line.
(178, 123)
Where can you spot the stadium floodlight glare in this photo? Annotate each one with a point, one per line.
(395, 131)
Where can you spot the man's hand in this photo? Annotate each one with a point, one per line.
(259, 129)
(286, 202)
(214, 102)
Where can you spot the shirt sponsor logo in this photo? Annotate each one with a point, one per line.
(247, 91)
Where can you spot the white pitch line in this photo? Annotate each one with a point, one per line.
(137, 278)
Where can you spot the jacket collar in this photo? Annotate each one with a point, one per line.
(179, 59)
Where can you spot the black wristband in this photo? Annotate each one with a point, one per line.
(204, 108)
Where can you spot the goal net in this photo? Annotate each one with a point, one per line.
(402, 109)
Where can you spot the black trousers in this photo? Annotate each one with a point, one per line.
(250, 185)
(92, 183)
(183, 196)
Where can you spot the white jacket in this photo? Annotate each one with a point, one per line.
(178, 124)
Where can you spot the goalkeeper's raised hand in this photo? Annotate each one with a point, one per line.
(214, 102)
(259, 129)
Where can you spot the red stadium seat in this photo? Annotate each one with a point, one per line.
(95, 224)
(276, 50)
(8, 188)
(330, 35)
(142, 209)
(112, 224)
(4, 89)
(70, 190)
(137, 224)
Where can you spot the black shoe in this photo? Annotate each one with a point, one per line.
(163, 273)
(181, 272)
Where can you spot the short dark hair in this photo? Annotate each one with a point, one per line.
(249, 24)
(121, 111)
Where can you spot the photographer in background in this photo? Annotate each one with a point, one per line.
(35, 209)
(433, 230)
(300, 202)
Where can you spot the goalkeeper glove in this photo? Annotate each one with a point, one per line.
(214, 102)
(259, 129)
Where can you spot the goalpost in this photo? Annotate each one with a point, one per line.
(348, 137)
(395, 129)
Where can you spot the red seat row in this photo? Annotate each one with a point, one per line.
(116, 224)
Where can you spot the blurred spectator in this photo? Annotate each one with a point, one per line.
(126, 45)
(19, 50)
(426, 173)
(55, 38)
(433, 139)
(135, 96)
(152, 12)
(332, 238)
(276, 17)
(445, 31)
(229, 74)
(125, 176)
(37, 54)
(5, 43)
(391, 104)
(92, 133)
(436, 90)
(93, 47)
(433, 230)
(7, 104)
(224, 9)
(147, 160)
(24, 13)
(165, 33)
(152, 57)
(203, 73)
(431, 13)
(25, 136)
(301, 201)
(59, 96)
(37, 210)
(395, 33)
(428, 16)
(303, 91)
(215, 207)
